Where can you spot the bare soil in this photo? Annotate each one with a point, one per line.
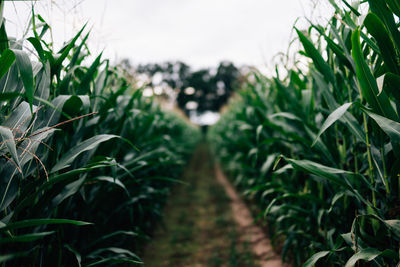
(249, 231)
(207, 224)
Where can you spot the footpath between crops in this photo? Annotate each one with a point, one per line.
(207, 224)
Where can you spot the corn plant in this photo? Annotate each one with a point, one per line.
(86, 161)
(318, 149)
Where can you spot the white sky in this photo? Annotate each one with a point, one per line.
(198, 32)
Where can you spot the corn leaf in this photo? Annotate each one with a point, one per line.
(26, 73)
(318, 60)
(38, 222)
(25, 238)
(314, 258)
(390, 127)
(332, 118)
(379, 103)
(378, 30)
(6, 60)
(8, 140)
(86, 145)
(367, 254)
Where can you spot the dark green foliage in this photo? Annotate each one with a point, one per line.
(86, 161)
(319, 149)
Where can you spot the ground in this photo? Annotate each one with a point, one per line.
(200, 226)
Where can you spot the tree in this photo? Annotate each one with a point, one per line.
(202, 90)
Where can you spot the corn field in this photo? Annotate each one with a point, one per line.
(317, 149)
(86, 160)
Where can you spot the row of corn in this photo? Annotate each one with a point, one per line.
(317, 149)
(86, 161)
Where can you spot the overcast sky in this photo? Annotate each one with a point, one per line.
(199, 32)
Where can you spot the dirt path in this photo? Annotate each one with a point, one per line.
(206, 224)
(250, 232)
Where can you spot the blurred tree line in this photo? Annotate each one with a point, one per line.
(202, 90)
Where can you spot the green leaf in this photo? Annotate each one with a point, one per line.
(20, 118)
(299, 197)
(67, 191)
(390, 84)
(332, 118)
(3, 38)
(285, 115)
(114, 254)
(258, 132)
(77, 51)
(9, 140)
(73, 106)
(36, 138)
(268, 164)
(113, 261)
(9, 96)
(84, 86)
(1, 12)
(77, 255)
(379, 102)
(394, 6)
(7, 257)
(116, 233)
(378, 30)
(67, 177)
(351, 122)
(25, 238)
(351, 8)
(331, 174)
(318, 60)
(6, 60)
(380, 8)
(314, 258)
(367, 254)
(37, 222)
(339, 52)
(112, 181)
(26, 73)
(53, 114)
(390, 127)
(392, 225)
(334, 175)
(39, 49)
(43, 83)
(56, 66)
(86, 145)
